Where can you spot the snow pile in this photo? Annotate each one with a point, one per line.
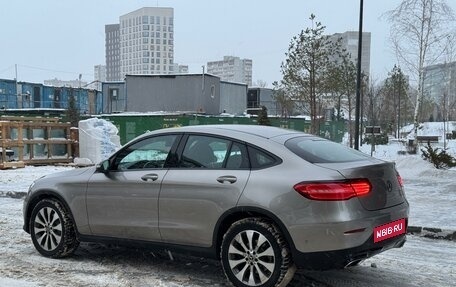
(98, 139)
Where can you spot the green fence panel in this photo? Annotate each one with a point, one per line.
(131, 126)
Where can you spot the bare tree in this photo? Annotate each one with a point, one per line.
(284, 102)
(341, 85)
(420, 30)
(260, 84)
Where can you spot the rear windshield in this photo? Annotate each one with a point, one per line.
(317, 150)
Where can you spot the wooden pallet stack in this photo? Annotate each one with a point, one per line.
(34, 141)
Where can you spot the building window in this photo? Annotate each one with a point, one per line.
(145, 19)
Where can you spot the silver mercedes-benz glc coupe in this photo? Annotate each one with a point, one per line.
(263, 200)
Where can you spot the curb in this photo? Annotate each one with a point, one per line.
(433, 233)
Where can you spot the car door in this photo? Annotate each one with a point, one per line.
(210, 177)
(123, 201)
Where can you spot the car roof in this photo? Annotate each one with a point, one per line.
(255, 130)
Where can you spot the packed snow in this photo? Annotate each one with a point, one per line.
(421, 262)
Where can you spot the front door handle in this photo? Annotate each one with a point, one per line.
(229, 178)
(150, 176)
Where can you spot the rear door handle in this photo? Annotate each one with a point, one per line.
(229, 178)
(150, 176)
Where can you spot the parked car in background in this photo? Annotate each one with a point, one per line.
(263, 200)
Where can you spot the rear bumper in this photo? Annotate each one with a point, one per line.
(338, 259)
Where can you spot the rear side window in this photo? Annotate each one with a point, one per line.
(316, 150)
(261, 159)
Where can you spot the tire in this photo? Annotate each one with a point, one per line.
(248, 263)
(52, 229)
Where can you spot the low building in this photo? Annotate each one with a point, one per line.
(258, 97)
(190, 93)
(25, 95)
(114, 97)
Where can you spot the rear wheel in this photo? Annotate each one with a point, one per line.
(254, 253)
(52, 229)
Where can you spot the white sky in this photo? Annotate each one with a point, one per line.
(63, 38)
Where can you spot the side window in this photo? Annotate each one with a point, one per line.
(148, 153)
(261, 159)
(204, 152)
(238, 157)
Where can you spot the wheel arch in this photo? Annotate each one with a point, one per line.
(37, 197)
(241, 212)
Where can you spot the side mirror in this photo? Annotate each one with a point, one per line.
(103, 166)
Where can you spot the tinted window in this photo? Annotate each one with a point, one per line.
(238, 157)
(204, 152)
(317, 150)
(147, 153)
(261, 159)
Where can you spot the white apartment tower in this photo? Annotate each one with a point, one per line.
(147, 41)
(232, 69)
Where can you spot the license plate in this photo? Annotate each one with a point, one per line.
(389, 230)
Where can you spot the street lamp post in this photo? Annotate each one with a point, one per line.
(358, 78)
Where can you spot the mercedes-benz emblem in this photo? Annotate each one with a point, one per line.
(389, 186)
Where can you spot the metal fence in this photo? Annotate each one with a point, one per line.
(131, 126)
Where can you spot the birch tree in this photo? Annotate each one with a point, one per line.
(420, 32)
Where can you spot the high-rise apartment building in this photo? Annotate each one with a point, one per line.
(112, 46)
(142, 43)
(147, 41)
(232, 69)
(99, 72)
(349, 41)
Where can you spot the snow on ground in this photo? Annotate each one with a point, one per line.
(421, 262)
(431, 192)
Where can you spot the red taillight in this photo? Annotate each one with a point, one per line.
(399, 180)
(337, 190)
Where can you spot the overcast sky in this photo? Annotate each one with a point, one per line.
(64, 38)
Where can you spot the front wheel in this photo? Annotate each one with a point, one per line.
(254, 253)
(52, 229)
